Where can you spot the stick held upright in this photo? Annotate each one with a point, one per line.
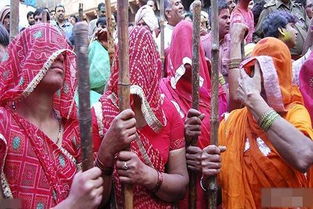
(195, 93)
(81, 49)
(123, 81)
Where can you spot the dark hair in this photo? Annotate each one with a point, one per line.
(101, 21)
(30, 13)
(275, 20)
(4, 36)
(101, 5)
(221, 4)
(52, 11)
(40, 11)
(73, 16)
(59, 5)
(258, 7)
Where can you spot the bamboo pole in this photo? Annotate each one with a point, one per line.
(212, 190)
(195, 92)
(162, 22)
(81, 50)
(14, 18)
(123, 80)
(81, 12)
(111, 48)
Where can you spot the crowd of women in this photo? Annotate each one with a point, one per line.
(265, 133)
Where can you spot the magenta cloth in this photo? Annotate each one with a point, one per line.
(224, 52)
(306, 84)
(240, 15)
(177, 88)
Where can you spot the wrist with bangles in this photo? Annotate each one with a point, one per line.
(107, 171)
(234, 63)
(158, 185)
(267, 119)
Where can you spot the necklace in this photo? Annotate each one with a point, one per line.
(58, 141)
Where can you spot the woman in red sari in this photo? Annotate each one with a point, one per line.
(39, 132)
(156, 164)
(178, 88)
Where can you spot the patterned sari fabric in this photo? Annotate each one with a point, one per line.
(34, 168)
(251, 162)
(178, 89)
(145, 74)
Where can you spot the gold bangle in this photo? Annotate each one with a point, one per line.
(234, 63)
(221, 80)
(268, 119)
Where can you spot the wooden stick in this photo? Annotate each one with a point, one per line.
(162, 22)
(212, 190)
(81, 50)
(45, 16)
(14, 18)
(124, 82)
(111, 48)
(81, 12)
(195, 92)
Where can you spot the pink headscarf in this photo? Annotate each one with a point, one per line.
(30, 56)
(306, 84)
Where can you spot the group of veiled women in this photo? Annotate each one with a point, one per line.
(40, 141)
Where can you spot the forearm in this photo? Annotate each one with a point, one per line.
(233, 77)
(291, 144)
(173, 187)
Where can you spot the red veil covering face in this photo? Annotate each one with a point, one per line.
(37, 170)
(178, 89)
(145, 74)
(250, 162)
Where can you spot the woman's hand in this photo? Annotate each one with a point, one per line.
(193, 158)
(238, 32)
(86, 191)
(249, 86)
(193, 123)
(211, 160)
(119, 136)
(132, 170)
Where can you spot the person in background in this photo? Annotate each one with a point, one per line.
(52, 14)
(38, 15)
(231, 5)
(4, 42)
(99, 61)
(145, 17)
(224, 38)
(5, 17)
(174, 13)
(251, 4)
(308, 6)
(302, 25)
(92, 23)
(243, 14)
(73, 19)
(204, 24)
(151, 4)
(62, 23)
(30, 18)
(257, 9)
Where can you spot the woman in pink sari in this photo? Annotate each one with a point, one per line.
(155, 164)
(177, 88)
(39, 132)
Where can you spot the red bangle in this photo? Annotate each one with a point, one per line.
(159, 183)
(107, 171)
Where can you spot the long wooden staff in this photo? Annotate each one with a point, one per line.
(162, 22)
(14, 18)
(195, 92)
(212, 190)
(81, 11)
(111, 48)
(81, 50)
(123, 80)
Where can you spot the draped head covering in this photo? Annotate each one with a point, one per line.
(177, 87)
(146, 14)
(251, 162)
(145, 73)
(3, 13)
(30, 55)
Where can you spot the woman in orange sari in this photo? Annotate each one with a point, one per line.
(262, 137)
